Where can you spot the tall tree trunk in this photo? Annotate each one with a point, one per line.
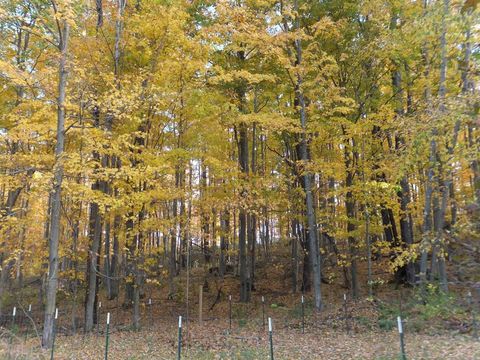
(224, 228)
(350, 212)
(406, 272)
(313, 250)
(75, 236)
(114, 288)
(242, 216)
(106, 264)
(294, 243)
(445, 188)
(130, 258)
(47, 335)
(172, 268)
(95, 234)
(252, 231)
(467, 87)
(138, 267)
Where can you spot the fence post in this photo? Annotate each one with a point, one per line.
(270, 337)
(230, 313)
(54, 333)
(402, 340)
(98, 316)
(14, 314)
(29, 313)
(150, 311)
(200, 304)
(303, 315)
(345, 312)
(107, 333)
(474, 320)
(263, 312)
(179, 351)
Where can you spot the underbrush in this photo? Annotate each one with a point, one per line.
(423, 310)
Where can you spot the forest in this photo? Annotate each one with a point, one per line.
(316, 162)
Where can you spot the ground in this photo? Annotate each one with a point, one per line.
(211, 341)
(436, 327)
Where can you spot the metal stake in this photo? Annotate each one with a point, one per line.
(150, 311)
(54, 333)
(303, 315)
(345, 311)
(107, 333)
(474, 320)
(179, 352)
(230, 312)
(263, 312)
(271, 337)
(402, 340)
(98, 316)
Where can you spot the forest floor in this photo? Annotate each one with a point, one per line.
(438, 327)
(211, 341)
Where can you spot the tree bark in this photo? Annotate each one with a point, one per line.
(47, 335)
(313, 250)
(406, 272)
(242, 219)
(95, 235)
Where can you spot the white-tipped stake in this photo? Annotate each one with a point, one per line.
(263, 299)
(149, 301)
(99, 304)
(400, 327)
(108, 318)
(14, 310)
(30, 308)
(180, 322)
(270, 324)
(56, 313)
(303, 299)
(344, 297)
(230, 297)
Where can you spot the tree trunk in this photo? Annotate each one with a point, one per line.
(313, 250)
(406, 272)
(350, 212)
(245, 285)
(95, 234)
(47, 335)
(129, 261)
(107, 265)
(172, 268)
(252, 231)
(224, 228)
(294, 244)
(114, 260)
